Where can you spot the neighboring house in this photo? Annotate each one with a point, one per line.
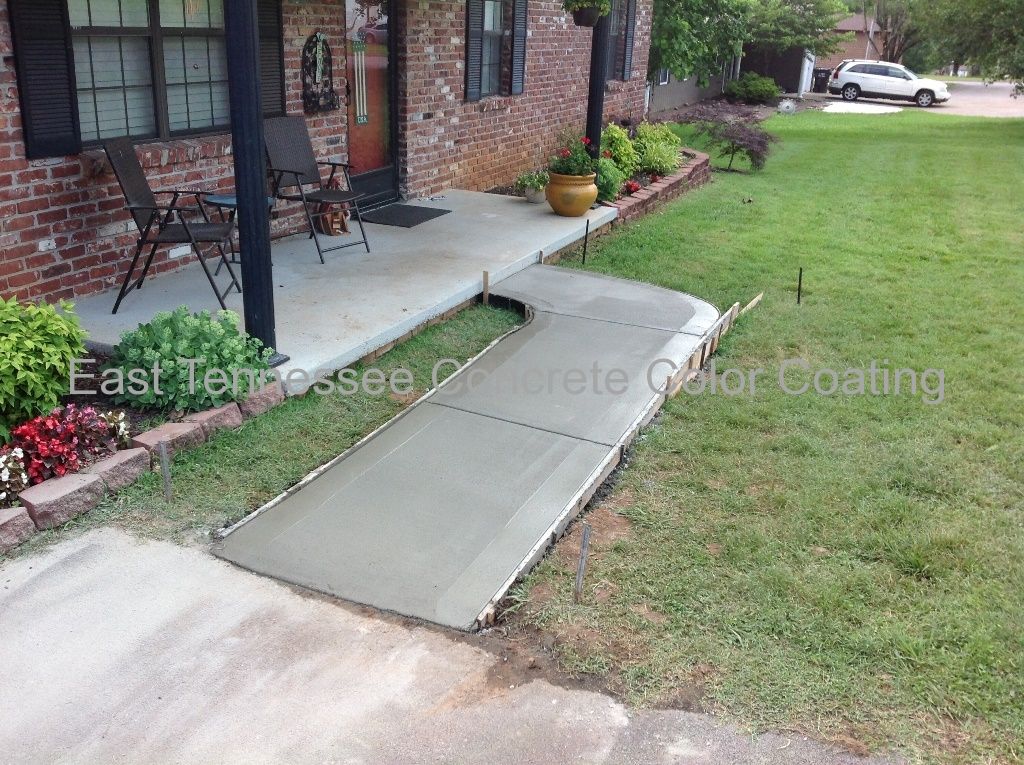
(668, 93)
(792, 70)
(865, 41)
(431, 95)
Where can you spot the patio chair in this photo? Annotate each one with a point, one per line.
(293, 167)
(165, 224)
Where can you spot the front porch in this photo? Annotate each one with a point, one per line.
(329, 316)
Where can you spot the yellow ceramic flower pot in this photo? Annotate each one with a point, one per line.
(571, 195)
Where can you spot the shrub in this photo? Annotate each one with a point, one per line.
(54, 444)
(734, 133)
(752, 88)
(609, 179)
(658, 148)
(13, 478)
(192, 351)
(572, 157)
(616, 144)
(535, 179)
(39, 343)
(632, 187)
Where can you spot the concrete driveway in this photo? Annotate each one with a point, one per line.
(967, 99)
(114, 650)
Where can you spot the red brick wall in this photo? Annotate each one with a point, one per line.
(63, 229)
(447, 141)
(853, 48)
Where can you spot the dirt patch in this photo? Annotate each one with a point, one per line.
(644, 611)
(406, 399)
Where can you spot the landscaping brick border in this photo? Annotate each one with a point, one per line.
(55, 501)
(694, 172)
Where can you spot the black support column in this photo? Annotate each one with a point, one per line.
(241, 33)
(598, 79)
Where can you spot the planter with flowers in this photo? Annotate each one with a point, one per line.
(531, 185)
(571, 189)
(586, 13)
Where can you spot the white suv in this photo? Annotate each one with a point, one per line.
(880, 79)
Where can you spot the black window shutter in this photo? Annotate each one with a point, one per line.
(46, 77)
(630, 33)
(519, 18)
(271, 57)
(474, 48)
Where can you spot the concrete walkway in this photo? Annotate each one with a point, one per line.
(117, 651)
(436, 514)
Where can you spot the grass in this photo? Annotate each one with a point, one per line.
(850, 567)
(237, 471)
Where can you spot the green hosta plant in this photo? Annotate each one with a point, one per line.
(204, 361)
(658, 148)
(609, 180)
(616, 145)
(37, 344)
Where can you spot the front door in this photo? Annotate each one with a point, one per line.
(370, 90)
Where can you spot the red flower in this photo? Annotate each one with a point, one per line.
(564, 153)
(606, 154)
(632, 187)
(585, 141)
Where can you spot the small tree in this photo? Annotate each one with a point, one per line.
(733, 132)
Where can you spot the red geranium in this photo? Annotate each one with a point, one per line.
(606, 154)
(632, 187)
(564, 152)
(585, 141)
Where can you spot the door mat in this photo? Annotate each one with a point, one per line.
(405, 216)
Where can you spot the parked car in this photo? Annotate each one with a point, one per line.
(855, 78)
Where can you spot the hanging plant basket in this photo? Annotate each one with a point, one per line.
(587, 16)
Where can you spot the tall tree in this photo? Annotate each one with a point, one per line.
(692, 38)
(785, 24)
(899, 23)
(987, 33)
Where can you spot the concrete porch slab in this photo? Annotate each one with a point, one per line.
(330, 315)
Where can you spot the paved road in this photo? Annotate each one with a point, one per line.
(119, 651)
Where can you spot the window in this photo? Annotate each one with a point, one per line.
(89, 70)
(663, 77)
(116, 43)
(899, 74)
(495, 48)
(620, 52)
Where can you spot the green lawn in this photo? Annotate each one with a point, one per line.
(237, 471)
(851, 567)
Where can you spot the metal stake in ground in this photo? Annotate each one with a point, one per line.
(586, 241)
(581, 567)
(165, 469)
(799, 285)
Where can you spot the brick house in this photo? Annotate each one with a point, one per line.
(431, 94)
(864, 41)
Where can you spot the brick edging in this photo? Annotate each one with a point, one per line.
(694, 172)
(57, 500)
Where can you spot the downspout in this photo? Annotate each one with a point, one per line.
(598, 79)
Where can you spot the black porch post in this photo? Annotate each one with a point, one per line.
(598, 79)
(241, 34)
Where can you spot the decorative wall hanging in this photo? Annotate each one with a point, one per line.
(317, 76)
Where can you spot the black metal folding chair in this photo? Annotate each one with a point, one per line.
(156, 223)
(293, 166)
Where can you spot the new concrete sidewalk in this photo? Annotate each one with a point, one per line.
(119, 651)
(436, 514)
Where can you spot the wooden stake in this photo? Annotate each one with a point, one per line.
(165, 469)
(581, 567)
(487, 288)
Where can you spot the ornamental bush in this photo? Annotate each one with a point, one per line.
(204, 361)
(658, 148)
(37, 344)
(752, 88)
(616, 144)
(609, 180)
